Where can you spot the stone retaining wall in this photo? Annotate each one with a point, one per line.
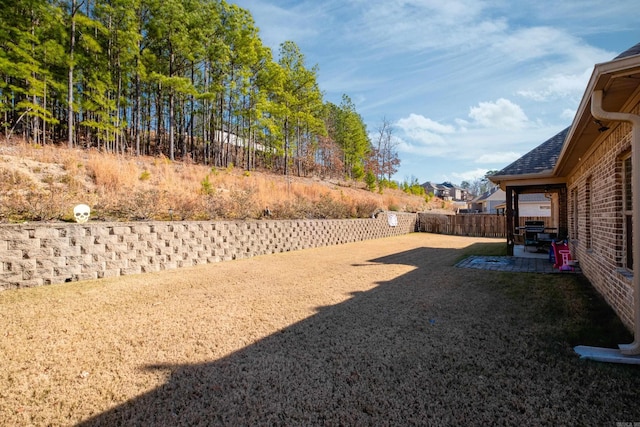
(43, 254)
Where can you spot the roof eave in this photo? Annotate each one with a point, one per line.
(497, 179)
(583, 123)
(532, 179)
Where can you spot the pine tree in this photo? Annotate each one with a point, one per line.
(352, 137)
(24, 67)
(301, 103)
(174, 77)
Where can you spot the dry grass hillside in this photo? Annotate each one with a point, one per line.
(45, 183)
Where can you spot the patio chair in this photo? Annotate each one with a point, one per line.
(518, 239)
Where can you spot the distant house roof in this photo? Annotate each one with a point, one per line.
(443, 186)
(543, 158)
(429, 187)
(450, 185)
(486, 195)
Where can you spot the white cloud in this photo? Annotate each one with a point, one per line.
(534, 95)
(568, 84)
(535, 42)
(469, 176)
(568, 114)
(475, 140)
(498, 158)
(419, 135)
(558, 86)
(418, 121)
(433, 150)
(413, 25)
(501, 114)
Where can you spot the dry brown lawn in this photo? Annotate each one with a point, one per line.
(383, 332)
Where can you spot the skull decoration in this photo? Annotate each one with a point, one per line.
(81, 213)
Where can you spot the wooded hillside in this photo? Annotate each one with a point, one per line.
(188, 79)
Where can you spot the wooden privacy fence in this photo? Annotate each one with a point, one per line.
(474, 225)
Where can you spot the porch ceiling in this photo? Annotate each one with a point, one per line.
(538, 188)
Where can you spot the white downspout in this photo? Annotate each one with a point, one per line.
(599, 114)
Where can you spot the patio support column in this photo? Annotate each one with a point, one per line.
(599, 113)
(563, 218)
(510, 226)
(516, 211)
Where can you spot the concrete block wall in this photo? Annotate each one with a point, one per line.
(41, 254)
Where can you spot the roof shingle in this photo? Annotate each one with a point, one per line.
(634, 50)
(540, 159)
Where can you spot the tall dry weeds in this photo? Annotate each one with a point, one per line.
(44, 183)
(112, 172)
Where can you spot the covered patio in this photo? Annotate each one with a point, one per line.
(533, 174)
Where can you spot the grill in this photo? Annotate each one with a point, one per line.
(534, 227)
(531, 230)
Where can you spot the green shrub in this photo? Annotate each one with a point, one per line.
(206, 187)
(357, 172)
(370, 180)
(413, 188)
(385, 183)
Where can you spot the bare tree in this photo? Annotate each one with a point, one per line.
(384, 159)
(481, 185)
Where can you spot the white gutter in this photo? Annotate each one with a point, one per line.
(599, 114)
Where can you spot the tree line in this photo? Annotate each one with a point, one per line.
(187, 79)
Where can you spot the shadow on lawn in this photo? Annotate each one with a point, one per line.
(436, 346)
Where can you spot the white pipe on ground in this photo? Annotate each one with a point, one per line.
(599, 114)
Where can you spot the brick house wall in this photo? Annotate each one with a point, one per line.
(596, 220)
(43, 254)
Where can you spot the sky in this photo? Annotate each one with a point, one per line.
(468, 86)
